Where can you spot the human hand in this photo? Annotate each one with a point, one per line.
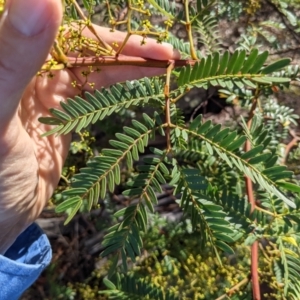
(30, 166)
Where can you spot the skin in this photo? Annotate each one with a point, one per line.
(30, 166)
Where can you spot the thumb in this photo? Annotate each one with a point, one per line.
(27, 31)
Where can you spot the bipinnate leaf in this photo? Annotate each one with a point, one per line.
(229, 70)
(247, 162)
(78, 113)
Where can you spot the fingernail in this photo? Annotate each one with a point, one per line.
(29, 17)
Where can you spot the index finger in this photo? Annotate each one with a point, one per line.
(133, 47)
(151, 49)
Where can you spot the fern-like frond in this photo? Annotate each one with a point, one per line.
(129, 287)
(292, 217)
(238, 210)
(125, 236)
(229, 70)
(258, 165)
(214, 169)
(205, 214)
(78, 113)
(164, 7)
(178, 137)
(103, 171)
(183, 47)
(290, 266)
(205, 25)
(284, 9)
(208, 33)
(151, 175)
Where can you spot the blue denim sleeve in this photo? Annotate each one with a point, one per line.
(23, 262)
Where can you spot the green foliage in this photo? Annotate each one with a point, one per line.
(129, 287)
(176, 264)
(229, 70)
(205, 162)
(79, 113)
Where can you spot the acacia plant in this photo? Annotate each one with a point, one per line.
(232, 182)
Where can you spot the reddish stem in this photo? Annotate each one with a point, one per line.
(254, 271)
(250, 195)
(290, 145)
(123, 60)
(254, 247)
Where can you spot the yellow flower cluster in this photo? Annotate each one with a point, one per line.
(253, 6)
(197, 276)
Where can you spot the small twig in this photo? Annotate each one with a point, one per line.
(128, 35)
(235, 288)
(290, 145)
(204, 102)
(129, 31)
(91, 28)
(265, 211)
(65, 179)
(122, 14)
(189, 29)
(167, 98)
